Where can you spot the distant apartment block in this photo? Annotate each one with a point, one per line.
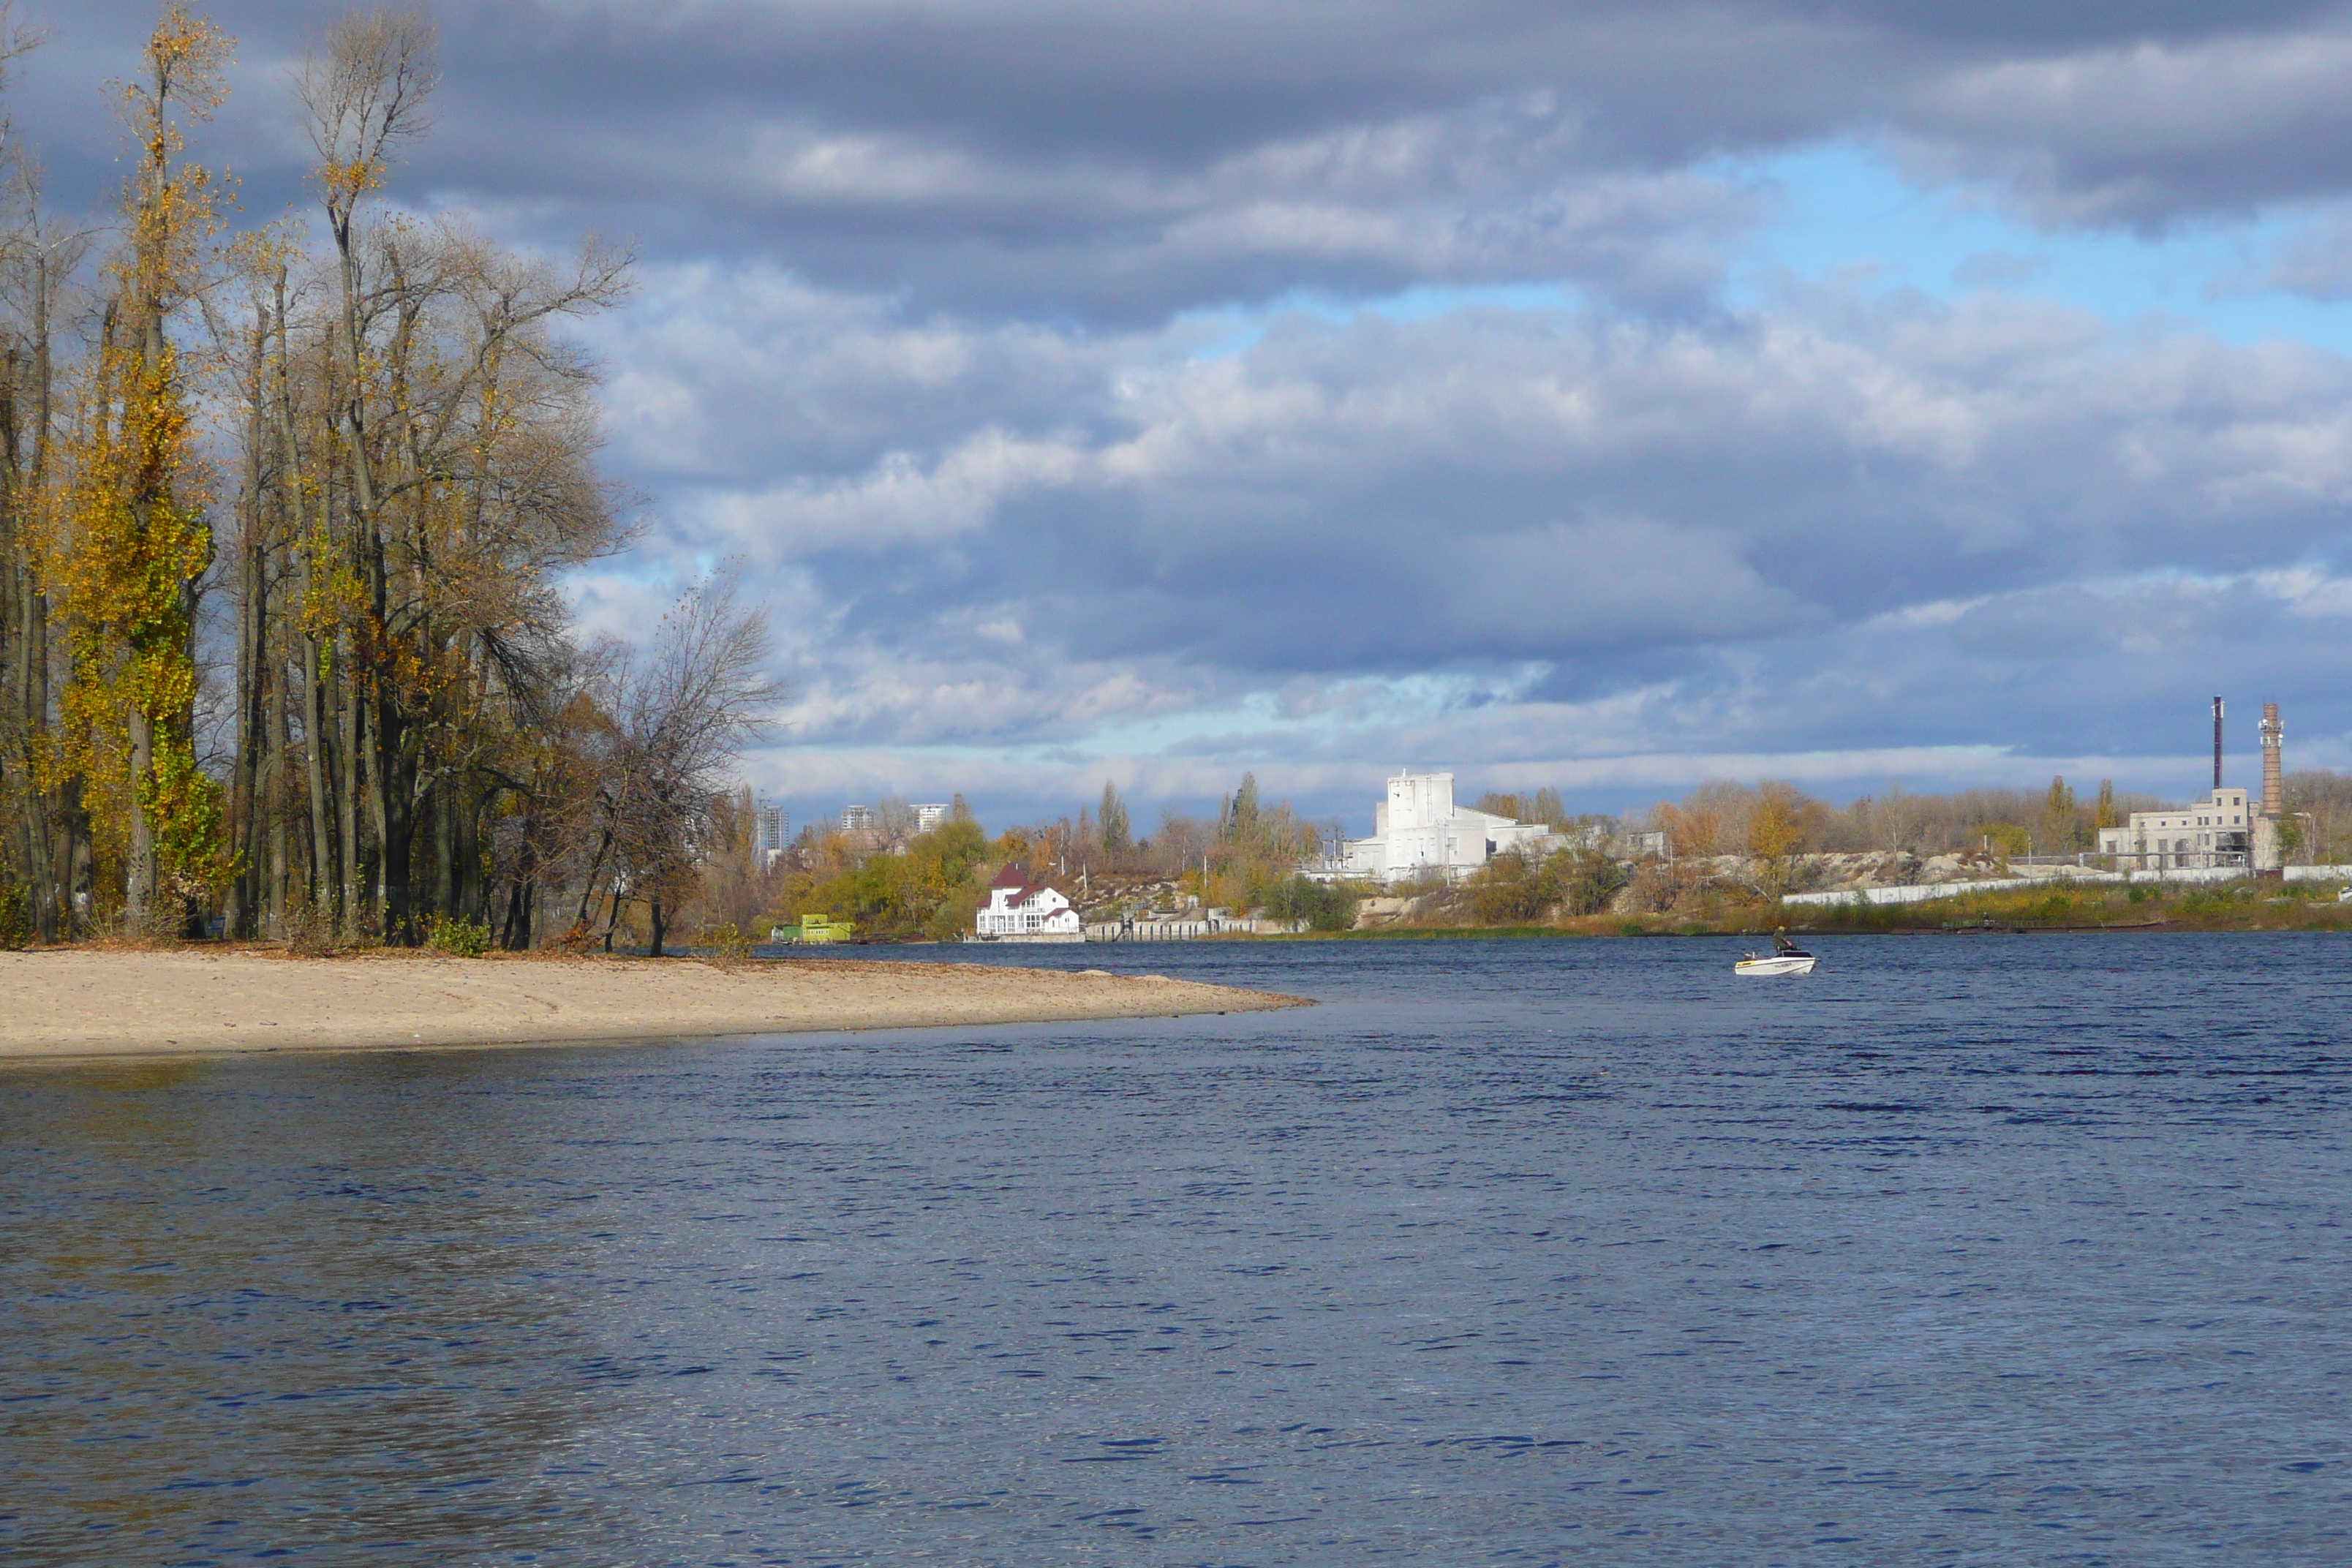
(858, 819)
(772, 832)
(929, 816)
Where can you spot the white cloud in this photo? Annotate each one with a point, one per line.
(1828, 528)
(903, 345)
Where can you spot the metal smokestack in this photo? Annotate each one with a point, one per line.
(2217, 743)
(2273, 775)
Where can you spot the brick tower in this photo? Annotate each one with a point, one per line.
(2273, 775)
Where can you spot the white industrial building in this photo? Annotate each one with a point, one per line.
(1419, 828)
(2215, 832)
(1020, 911)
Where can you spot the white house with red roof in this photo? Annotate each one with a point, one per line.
(1021, 910)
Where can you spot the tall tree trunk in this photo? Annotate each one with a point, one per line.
(445, 846)
(277, 801)
(142, 911)
(392, 800)
(515, 934)
(348, 913)
(468, 893)
(50, 900)
(323, 881)
(589, 886)
(29, 688)
(139, 875)
(25, 612)
(243, 812)
(15, 573)
(252, 666)
(79, 879)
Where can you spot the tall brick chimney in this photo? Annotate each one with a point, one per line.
(2273, 775)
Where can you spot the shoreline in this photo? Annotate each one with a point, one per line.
(1618, 928)
(67, 1004)
(1999, 928)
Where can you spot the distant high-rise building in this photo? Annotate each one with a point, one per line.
(929, 816)
(858, 819)
(772, 832)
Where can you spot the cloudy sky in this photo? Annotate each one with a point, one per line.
(1601, 395)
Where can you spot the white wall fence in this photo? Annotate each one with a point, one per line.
(1925, 892)
(1190, 930)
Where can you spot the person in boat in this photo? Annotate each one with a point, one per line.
(1782, 947)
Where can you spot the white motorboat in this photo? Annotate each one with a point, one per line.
(1778, 964)
(1787, 958)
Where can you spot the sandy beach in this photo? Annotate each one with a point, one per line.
(80, 1003)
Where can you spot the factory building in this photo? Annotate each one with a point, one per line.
(2225, 830)
(1419, 828)
(2214, 832)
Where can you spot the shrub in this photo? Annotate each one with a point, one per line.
(1588, 880)
(730, 944)
(2007, 838)
(308, 932)
(1322, 905)
(15, 917)
(1508, 891)
(1653, 888)
(457, 936)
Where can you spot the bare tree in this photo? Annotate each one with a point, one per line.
(676, 718)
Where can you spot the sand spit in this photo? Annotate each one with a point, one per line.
(57, 1005)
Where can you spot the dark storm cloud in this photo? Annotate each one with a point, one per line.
(1119, 163)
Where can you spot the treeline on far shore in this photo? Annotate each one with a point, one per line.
(1731, 851)
(2252, 904)
(893, 882)
(1773, 818)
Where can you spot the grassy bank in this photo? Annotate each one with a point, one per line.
(2240, 906)
(2229, 906)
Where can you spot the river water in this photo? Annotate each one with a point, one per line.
(1989, 1250)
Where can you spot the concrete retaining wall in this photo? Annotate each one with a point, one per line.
(1925, 892)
